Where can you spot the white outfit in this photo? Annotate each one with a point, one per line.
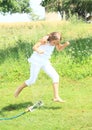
(41, 61)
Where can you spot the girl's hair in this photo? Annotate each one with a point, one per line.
(54, 36)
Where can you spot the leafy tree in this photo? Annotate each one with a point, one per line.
(73, 6)
(50, 5)
(81, 7)
(15, 6)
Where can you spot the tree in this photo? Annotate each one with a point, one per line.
(50, 5)
(15, 6)
(53, 6)
(73, 6)
(81, 7)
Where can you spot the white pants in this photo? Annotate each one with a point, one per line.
(48, 69)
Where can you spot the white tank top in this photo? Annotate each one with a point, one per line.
(48, 50)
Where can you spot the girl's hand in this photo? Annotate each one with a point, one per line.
(67, 43)
(40, 51)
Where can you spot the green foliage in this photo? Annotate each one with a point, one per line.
(74, 6)
(74, 62)
(50, 5)
(80, 7)
(14, 6)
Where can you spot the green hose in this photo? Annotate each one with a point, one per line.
(31, 108)
(13, 117)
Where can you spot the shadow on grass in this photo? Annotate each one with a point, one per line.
(13, 107)
(80, 49)
(15, 52)
(51, 108)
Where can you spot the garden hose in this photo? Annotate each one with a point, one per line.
(31, 108)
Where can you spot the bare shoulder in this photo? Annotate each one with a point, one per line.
(44, 39)
(40, 42)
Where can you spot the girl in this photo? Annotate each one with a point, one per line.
(40, 60)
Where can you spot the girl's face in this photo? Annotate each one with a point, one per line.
(54, 42)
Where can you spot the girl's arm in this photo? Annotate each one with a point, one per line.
(39, 43)
(60, 47)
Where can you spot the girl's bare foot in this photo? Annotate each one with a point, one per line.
(59, 100)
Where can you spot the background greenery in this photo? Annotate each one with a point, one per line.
(15, 6)
(73, 7)
(74, 64)
(16, 41)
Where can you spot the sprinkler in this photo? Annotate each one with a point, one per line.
(29, 109)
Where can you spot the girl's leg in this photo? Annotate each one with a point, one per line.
(55, 77)
(34, 70)
(19, 89)
(56, 95)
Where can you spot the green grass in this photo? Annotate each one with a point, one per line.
(74, 66)
(75, 114)
(16, 41)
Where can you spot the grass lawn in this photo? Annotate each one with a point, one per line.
(75, 63)
(75, 114)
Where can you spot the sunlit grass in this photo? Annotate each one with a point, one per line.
(74, 66)
(17, 39)
(74, 114)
